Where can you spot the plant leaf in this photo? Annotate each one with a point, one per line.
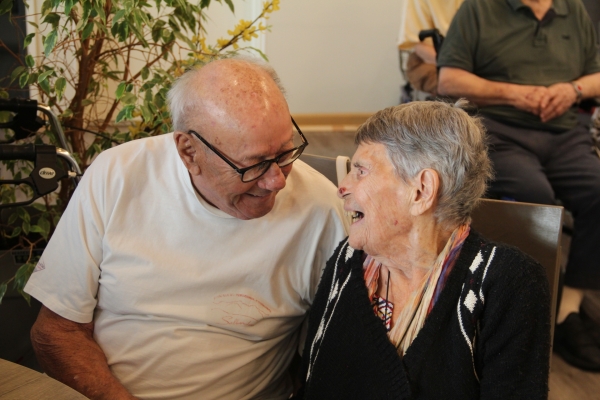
(46, 6)
(59, 86)
(3, 287)
(50, 42)
(28, 39)
(87, 31)
(230, 4)
(16, 72)
(13, 217)
(68, 6)
(23, 79)
(45, 86)
(53, 19)
(5, 6)
(120, 90)
(29, 61)
(118, 15)
(129, 98)
(125, 113)
(45, 75)
(38, 206)
(22, 275)
(100, 10)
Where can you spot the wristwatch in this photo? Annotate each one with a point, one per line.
(578, 89)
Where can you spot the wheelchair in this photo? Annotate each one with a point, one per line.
(47, 171)
(51, 164)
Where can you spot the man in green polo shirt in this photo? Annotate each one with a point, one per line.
(527, 64)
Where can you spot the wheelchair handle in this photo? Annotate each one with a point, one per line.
(20, 152)
(18, 105)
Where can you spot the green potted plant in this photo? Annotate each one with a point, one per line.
(105, 70)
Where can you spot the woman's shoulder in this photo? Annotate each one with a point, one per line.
(503, 262)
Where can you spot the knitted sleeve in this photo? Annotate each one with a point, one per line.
(513, 348)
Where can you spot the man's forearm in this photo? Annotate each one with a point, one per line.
(456, 82)
(67, 352)
(590, 85)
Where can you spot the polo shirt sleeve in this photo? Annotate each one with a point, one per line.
(460, 44)
(592, 56)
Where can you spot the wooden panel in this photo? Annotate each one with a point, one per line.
(325, 165)
(535, 229)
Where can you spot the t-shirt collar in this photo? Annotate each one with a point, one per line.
(560, 6)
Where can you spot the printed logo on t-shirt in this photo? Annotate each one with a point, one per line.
(40, 266)
(240, 309)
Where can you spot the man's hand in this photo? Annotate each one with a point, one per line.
(529, 98)
(560, 98)
(67, 352)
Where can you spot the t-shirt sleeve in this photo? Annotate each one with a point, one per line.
(460, 43)
(66, 277)
(416, 17)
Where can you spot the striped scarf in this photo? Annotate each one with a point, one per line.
(412, 316)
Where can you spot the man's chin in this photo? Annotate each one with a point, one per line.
(255, 207)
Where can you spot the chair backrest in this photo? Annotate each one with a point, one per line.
(534, 228)
(335, 169)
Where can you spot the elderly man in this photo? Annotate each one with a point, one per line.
(185, 263)
(527, 64)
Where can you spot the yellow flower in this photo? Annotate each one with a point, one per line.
(222, 42)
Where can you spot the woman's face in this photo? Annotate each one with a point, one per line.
(378, 201)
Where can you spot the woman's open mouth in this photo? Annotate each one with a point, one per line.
(355, 216)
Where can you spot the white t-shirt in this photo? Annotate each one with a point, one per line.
(425, 14)
(188, 302)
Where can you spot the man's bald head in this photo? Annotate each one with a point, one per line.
(226, 90)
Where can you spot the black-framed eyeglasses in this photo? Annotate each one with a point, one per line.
(255, 171)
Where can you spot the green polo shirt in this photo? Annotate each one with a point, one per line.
(503, 41)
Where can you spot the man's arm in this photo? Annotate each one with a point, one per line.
(426, 52)
(67, 352)
(456, 82)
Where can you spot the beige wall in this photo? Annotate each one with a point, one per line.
(337, 56)
(333, 56)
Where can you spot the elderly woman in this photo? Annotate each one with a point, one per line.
(415, 304)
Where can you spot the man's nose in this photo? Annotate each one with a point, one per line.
(273, 179)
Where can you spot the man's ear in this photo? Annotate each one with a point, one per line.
(187, 152)
(426, 187)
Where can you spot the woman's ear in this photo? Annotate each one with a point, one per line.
(187, 152)
(426, 187)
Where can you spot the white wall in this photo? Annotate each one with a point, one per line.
(337, 56)
(333, 56)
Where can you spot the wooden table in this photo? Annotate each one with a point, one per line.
(18, 382)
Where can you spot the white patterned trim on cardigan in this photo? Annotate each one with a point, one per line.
(335, 292)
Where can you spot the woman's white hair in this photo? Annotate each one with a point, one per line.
(440, 136)
(183, 96)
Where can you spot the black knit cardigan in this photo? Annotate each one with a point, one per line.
(487, 337)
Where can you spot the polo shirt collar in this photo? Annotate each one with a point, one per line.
(560, 6)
